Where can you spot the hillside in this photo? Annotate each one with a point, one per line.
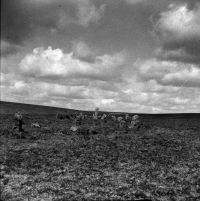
(11, 108)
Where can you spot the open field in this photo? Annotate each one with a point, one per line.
(161, 161)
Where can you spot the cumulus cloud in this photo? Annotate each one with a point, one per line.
(64, 95)
(80, 76)
(55, 63)
(49, 75)
(179, 31)
(135, 97)
(171, 73)
(177, 59)
(52, 77)
(172, 76)
(179, 22)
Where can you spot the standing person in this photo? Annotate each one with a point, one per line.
(19, 121)
(95, 116)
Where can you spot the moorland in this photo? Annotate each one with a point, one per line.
(158, 162)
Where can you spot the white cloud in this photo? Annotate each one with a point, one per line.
(137, 97)
(186, 77)
(55, 63)
(178, 33)
(171, 73)
(52, 77)
(179, 22)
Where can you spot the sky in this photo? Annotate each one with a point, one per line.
(118, 55)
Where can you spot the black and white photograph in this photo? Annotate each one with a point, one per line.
(100, 100)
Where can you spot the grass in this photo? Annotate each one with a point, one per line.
(161, 162)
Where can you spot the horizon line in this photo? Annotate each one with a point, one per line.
(99, 111)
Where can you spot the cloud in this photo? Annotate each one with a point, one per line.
(179, 23)
(89, 13)
(135, 1)
(86, 13)
(8, 48)
(6, 79)
(33, 91)
(54, 63)
(52, 77)
(179, 54)
(83, 52)
(22, 20)
(170, 80)
(14, 85)
(171, 73)
(134, 97)
(84, 66)
(178, 29)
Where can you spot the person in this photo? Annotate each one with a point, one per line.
(95, 116)
(18, 117)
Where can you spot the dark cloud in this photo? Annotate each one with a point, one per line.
(179, 52)
(8, 49)
(178, 30)
(191, 3)
(191, 48)
(20, 19)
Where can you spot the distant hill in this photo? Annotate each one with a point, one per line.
(11, 108)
